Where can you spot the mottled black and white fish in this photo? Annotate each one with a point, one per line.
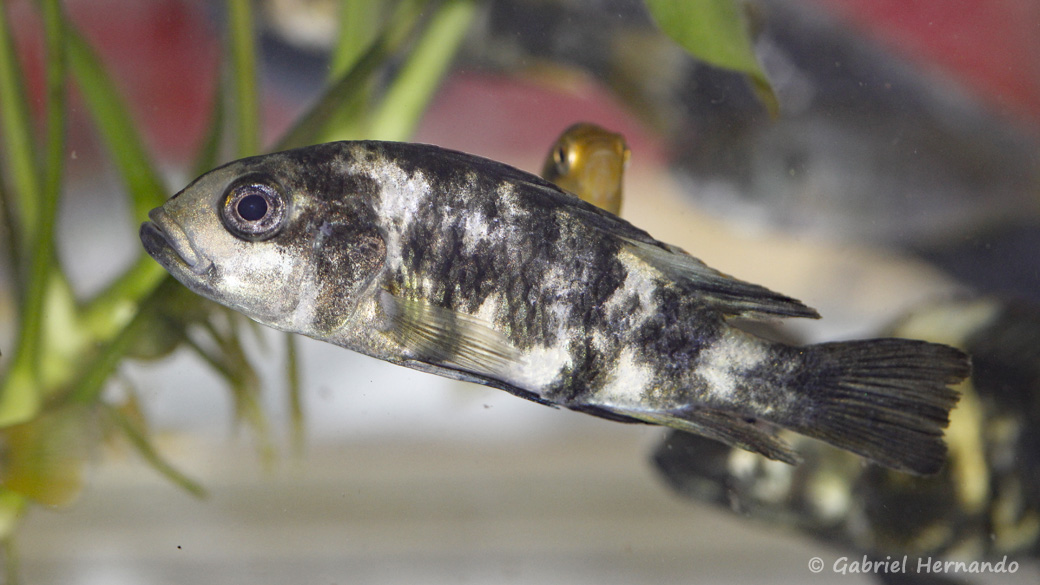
(460, 266)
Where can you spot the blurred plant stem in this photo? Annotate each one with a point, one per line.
(20, 395)
(18, 142)
(118, 131)
(405, 101)
(142, 443)
(19, 399)
(246, 105)
(92, 380)
(359, 22)
(343, 108)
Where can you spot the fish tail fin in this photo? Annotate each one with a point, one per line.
(886, 399)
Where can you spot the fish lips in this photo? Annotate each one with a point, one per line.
(169, 245)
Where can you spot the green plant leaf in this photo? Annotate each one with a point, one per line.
(21, 392)
(92, 380)
(117, 128)
(140, 441)
(313, 124)
(410, 93)
(104, 315)
(113, 307)
(359, 20)
(228, 359)
(10, 230)
(716, 32)
(19, 397)
(11, 246)
(17, 136)
(65, 344)
(246, 105)
(359, 23)
(43, 268)
(329, 116)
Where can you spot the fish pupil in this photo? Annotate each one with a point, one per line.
(252, 207)
(562, 160)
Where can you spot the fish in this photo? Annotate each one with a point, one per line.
(984, 504)
(589, 161)
(869, 149)
(457, 265)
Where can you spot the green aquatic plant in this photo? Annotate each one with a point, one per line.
(67, 349)
(52, 409)
(719, 33)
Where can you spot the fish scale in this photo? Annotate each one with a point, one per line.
(464, 267)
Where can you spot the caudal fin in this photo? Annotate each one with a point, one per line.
(886, 399)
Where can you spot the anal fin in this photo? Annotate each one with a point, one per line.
(726, 427)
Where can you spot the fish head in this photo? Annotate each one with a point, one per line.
(590, 162)
(273, 237)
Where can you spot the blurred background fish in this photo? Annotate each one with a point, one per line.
(868, 145)
(984, 504)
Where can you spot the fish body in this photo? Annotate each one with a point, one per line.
(589, 161)
(460, 266)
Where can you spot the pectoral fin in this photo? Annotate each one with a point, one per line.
(729, 295)
(444, 337)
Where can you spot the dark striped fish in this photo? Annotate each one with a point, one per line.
(464, 267)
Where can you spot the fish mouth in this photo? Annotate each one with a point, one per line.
(167, 242)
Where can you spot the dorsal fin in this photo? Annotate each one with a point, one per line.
(729, 295)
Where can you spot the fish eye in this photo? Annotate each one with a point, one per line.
(253, 208)
(561, 159)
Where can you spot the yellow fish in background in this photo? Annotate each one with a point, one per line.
(589, 161)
